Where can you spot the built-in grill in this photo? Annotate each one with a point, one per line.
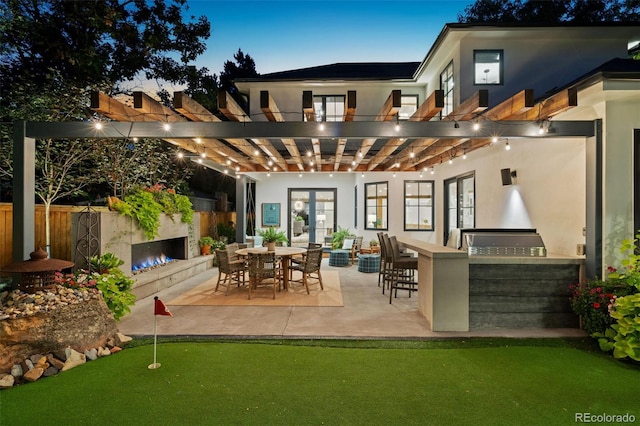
(503, 242)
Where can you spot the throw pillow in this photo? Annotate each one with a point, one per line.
(347, 244)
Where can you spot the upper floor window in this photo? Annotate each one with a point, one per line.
(409, 105)
(487, 66)
(329, 108)
(446, 84)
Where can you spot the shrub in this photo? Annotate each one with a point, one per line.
(144, 205)
(114, 285)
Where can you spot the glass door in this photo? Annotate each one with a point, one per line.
(312, 215)
(459, 212)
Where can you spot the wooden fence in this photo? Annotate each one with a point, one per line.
(60, 217)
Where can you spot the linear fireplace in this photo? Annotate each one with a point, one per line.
(152, 254)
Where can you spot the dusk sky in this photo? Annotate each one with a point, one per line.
(283, 35)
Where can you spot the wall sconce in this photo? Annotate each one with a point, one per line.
(507, 176)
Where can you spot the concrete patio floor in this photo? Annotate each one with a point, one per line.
(366, 314)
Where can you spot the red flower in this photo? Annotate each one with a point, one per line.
(611, 269)
(596, 305)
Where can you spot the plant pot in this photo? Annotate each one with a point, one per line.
(271, 246)
(111, 201)
(205, 250)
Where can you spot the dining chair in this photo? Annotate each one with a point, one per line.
(229, 271)
(309, 267)
(263, 271)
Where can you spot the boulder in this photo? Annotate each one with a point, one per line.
(6, 381)
(82, 326)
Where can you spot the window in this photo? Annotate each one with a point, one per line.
(459, 193)
(376, 205)
(418, 205)
(446, 84)
(487, 66)
(409, 105)
(329, 108)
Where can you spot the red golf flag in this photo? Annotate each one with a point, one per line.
(161, 308)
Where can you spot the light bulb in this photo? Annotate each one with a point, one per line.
(166, 127)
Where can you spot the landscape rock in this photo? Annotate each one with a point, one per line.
(6, 381)
(34, 374)
(103, 352)
(55, 362)
(121, 339)
(115, 349)
(74, 358)
(51, 371)
(91, 354)
(16, 371)
(67, 317)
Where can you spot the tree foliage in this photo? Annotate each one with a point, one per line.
(98, 43)
(551, 11)
(243, 67)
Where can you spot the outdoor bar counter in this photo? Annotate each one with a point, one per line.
(458, 292)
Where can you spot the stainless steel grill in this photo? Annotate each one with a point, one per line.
(503, 243)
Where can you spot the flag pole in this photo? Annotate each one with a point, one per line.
(155, 342)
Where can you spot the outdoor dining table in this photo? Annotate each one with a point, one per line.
(283, 252)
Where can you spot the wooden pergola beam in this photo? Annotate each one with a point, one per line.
(191, 109)
(554, 105)
(425, 112)
(230, 108)
(473, 105)
(516, 104)
(149, 106)
(271, 111)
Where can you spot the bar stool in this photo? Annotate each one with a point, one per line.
(403, 271)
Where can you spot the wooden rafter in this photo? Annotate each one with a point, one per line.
(427, 110)
(389, 110)
(118, 111)
(272, 112)
(554, 105)
(230, 108)
(465, 111)
(191, 109)
(149, 106)
(516, 104)
(349, 114)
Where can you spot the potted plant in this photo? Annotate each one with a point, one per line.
(271, 236)
(205, 245)
(339, 236)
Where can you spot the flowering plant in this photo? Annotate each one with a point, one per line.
(112, 283)
(592, 300)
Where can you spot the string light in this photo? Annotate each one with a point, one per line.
(464, 154)
(476, 126)
(166, 127)
(97, 125)
(432, 170)
(507, 146)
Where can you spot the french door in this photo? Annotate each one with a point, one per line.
(459, 193)
(312, 215)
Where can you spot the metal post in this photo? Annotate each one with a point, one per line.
(24, 192)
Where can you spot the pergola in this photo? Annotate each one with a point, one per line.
(242, 146)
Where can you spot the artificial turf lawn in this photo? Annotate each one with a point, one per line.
(242, 383)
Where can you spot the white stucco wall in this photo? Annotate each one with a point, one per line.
(549, 193)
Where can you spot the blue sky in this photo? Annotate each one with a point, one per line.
(283, 35)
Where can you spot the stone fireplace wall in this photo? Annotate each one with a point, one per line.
(116, 234)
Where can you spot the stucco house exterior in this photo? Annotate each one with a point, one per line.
(575, 190)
